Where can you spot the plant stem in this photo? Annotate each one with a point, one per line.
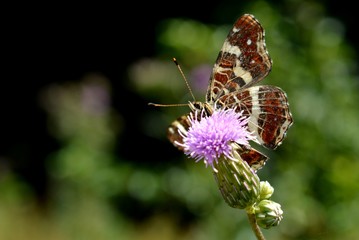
(257, 231)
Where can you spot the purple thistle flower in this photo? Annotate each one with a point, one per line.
(211, 136)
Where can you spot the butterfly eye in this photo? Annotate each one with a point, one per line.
(196, 106)
(218, 105)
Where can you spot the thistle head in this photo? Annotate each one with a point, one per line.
(210, 137)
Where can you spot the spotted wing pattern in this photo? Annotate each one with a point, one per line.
(242, 61)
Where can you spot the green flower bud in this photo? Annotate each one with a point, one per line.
(237, 182)
(268, 214)
(266, 190)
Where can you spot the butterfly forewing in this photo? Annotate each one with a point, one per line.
(242, 61)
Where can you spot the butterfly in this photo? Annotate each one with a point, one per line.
(242, 62)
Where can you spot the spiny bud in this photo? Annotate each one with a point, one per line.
(268, 213)
(237, 182)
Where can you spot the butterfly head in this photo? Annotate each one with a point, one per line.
(201, 108)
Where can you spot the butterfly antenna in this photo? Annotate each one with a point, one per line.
(168, 105)
(184, 77)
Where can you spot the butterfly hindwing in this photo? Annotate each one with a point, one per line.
(255, 159)
(267, 109)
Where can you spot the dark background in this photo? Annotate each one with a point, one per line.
(46, 44)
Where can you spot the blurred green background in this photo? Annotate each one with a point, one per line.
(84, 157)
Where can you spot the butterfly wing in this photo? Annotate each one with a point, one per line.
(242, 61)
(267, 108)
(181, 124)
(256, 160)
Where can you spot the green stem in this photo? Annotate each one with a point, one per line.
(257, 231)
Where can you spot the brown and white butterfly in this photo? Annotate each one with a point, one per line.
(242, 62)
